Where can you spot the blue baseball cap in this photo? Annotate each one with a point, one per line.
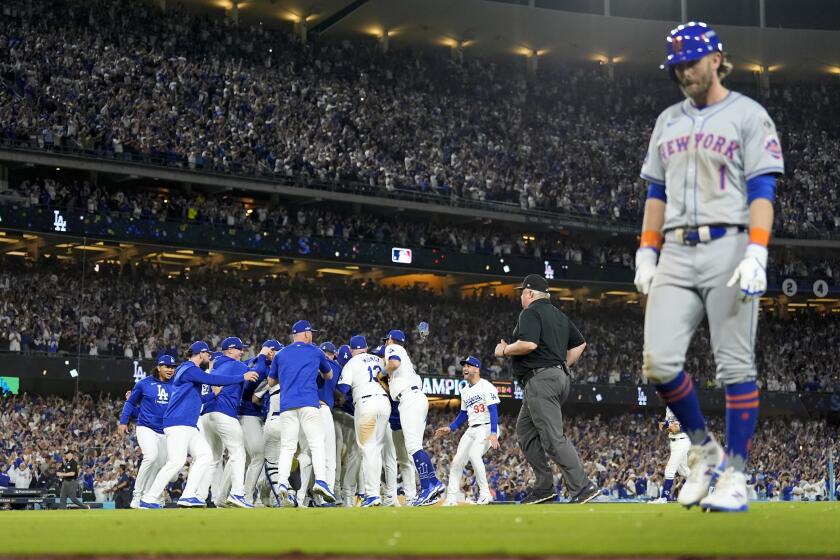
(233, 342)
(273, 344)
(471, 361)
(397, 335)
(302, 326)
(358, 342)
(344, 355)
(379, 351)
(215, 355)
(198, 347)
(328, 347)
(166, 360)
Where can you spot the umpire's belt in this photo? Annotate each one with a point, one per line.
(532, 372)
(702, 234)
(404, 391)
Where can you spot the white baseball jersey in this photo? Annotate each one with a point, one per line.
(404, 376)
(705, 157)
(361, 373)
(476, 398)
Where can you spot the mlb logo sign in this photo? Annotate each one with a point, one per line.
(400, 255)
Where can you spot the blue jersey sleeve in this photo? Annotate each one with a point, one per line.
(459, 420)
(324, 363)
(132, 402)
(200, 378)
(274, 370)
(494, 418)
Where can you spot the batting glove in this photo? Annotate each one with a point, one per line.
(751, 273)
(645, 268)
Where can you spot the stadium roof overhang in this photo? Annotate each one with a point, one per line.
(495, 28)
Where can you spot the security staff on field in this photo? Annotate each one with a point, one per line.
(547, 343)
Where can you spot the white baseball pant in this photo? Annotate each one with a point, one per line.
(271, 433)
(371, 421)
(252, 429)
(413, 407)
(678, 461)
(308, 420)
(181, 440)
(153, 446)
(395, 456)
(224, 432)
(472, 447)
(348, 456)
(305, 457)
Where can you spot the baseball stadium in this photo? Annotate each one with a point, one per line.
(518, 278)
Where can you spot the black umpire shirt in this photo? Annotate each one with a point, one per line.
(70, 466)
(552, 332)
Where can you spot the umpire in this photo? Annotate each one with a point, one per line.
(547, 343)
(68, 472)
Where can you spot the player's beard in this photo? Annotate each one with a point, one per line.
(698, 89)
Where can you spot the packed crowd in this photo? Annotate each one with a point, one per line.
(279, 220)
(624, 454)
(138, 312)
(123, 79)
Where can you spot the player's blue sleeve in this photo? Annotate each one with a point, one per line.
(493, 409)
(459, 420)
(261, 365)
(324, 363)
(763, 186)
(132, 402)
(207, 397)
(274, 370)
(128, 411)
(192, 376)
(655, 190)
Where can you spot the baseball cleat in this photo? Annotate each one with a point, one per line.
(586, 495)
(238, 502)
(191, 503)
(703, 462)
(429, 496)
(135, 503)
(483, 500)
(730, 493)
(538, 497)
(391, 501)
(372, 501)
(285, 496)
(658, 501)
(149, 505)
(438, 490)
(323, 489)
(449, 503)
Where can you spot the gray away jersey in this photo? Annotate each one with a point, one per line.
(705, 157)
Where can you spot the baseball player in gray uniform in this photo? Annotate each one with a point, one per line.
(711, 166)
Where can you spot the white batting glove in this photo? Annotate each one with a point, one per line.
(751, 273)
(645, 268)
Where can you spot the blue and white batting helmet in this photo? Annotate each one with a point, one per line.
(690, 41)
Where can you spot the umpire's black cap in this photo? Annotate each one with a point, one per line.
(534, 282)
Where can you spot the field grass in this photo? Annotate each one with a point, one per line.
(597, 529)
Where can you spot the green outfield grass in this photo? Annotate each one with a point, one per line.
(596, 529)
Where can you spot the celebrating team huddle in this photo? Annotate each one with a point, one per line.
(344, 415)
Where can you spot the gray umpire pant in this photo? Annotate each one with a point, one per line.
(70, 489)
(540, 431)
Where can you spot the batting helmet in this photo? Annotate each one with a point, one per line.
(690, 41)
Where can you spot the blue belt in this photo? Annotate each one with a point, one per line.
(703, 234)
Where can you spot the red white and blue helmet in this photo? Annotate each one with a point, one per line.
(690, 41)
